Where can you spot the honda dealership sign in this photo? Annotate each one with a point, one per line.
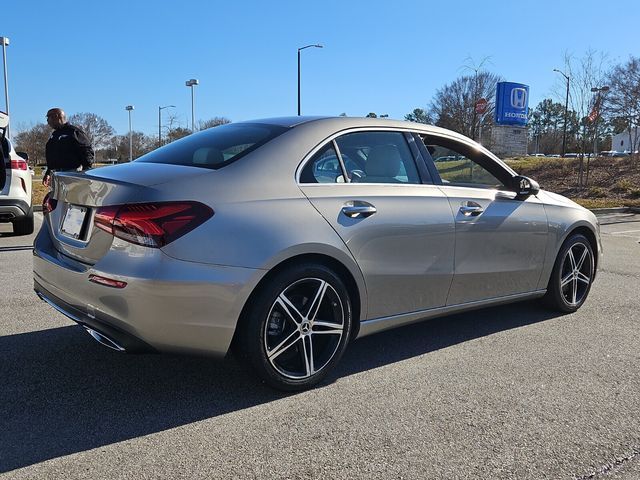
(512, 103)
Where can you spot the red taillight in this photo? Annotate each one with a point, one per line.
(18, 164)
(49, 204)
(152, 224)
(104, 217)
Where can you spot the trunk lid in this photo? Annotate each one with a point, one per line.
(78, 196)
(144, 174)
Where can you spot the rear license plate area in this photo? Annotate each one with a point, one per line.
(74, 220)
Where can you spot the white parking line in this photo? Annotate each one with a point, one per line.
(624, 232)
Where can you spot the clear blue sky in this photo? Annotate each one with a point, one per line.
(378, 56)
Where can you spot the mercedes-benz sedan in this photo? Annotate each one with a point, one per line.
(286, 238)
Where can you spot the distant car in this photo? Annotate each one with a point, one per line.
(571, 155)
(614, 153)
(284, 239)
(15, 186)
(537, 155)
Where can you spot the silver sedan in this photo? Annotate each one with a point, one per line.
(284, 239)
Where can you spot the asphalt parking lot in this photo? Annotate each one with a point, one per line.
(511, 392)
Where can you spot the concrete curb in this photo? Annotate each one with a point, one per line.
(606, 211)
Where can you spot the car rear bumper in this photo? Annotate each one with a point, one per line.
(12, 208)
(98, 323)
(168, 305)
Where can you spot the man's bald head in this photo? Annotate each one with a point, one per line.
(56, 118)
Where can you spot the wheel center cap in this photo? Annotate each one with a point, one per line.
(305, 327)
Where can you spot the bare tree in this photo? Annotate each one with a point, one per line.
(212, 122)
(177, 133)
(623, 103)
(97, 128)
(453, 106)
(586, 72)
(173, 121)
(33, 141)
(141, 144)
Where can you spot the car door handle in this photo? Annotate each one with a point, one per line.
(358, 209)
(471, 209)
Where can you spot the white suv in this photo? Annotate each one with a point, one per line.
(15, 186)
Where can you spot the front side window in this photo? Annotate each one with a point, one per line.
(215, 147)
(461, 165)
(378, 157)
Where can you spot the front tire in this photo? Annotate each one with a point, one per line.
(572, 275)
(297, 327)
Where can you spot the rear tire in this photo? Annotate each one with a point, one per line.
(572, 275)
(297, 327)
(24, 226)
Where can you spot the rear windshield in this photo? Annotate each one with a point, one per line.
(215, 147)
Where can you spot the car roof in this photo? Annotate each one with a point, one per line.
(339, 123)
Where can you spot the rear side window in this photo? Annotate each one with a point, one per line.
(216, 147)
(378, 157)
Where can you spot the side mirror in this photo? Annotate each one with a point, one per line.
(24, 155)
(524, 186)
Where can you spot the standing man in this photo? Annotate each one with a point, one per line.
(68, 147)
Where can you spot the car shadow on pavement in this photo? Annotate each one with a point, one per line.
(61, 393)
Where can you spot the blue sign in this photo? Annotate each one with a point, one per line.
(512, 103)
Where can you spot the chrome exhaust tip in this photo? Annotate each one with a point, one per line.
(106, 341)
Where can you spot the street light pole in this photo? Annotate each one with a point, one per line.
(129, 108)
(160, 122)
(596, 107)
(192, 83)
(566, 111)
(299, 50)
(5, 42)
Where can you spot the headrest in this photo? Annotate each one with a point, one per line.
(208, 156)
(383, 161)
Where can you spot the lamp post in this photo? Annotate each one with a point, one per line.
(4, 41)
(129, 108)
(596, 110)
(160, 122)
(299, 50)
(192, 83)
(566, 110)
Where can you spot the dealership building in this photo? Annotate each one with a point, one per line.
(623, 142)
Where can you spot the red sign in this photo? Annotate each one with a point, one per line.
(481, 106)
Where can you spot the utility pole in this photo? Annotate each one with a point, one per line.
(566, 111)
(129, 108)
(5, 42)
(192, 83)
(299, 50)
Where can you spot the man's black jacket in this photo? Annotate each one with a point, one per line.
(67, 148)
